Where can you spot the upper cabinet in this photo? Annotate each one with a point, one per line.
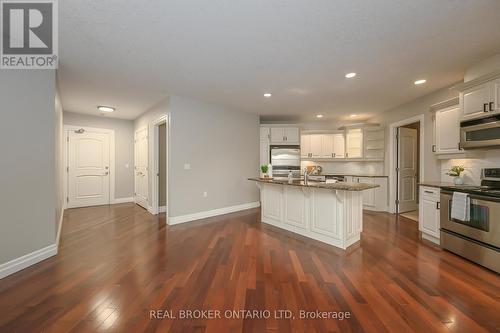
(480, 97)
(322, 145)
(374, 143)
(354, 143)
(447, 130)
(285, 135)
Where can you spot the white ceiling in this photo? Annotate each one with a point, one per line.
(131, 54)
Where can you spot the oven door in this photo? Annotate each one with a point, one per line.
(484, 221)
(480, 133)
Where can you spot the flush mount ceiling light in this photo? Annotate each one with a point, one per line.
(319, 116)
(353, 115)
(422, 81)
(350, 75)
(103, 108)
(268, 95)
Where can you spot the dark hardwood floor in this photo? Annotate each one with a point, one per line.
(118, 263)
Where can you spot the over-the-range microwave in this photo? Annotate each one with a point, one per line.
(480, 133)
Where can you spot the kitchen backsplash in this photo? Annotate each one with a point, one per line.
(370, 168)
(473, 166)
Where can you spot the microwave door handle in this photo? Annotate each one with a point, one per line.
(493, 124)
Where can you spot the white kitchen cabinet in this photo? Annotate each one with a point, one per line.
(495, 96)
(327, 146)
(447, 130)
(374, 143)
(338, 145)
(285, 135)
(264, 133)
(429, 220)
(316, 145)
(475, 100)
(354, 143)
(305, 146)
(375, 199)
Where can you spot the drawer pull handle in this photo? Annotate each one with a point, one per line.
(430, 192)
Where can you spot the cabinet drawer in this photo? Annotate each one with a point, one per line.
(430, 192)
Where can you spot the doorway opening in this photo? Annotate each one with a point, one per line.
(159, 190)
(406, 166)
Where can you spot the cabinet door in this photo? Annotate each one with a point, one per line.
(354, 143)
(305, 146)
(473, 100)
(292, 135)
(368, 195)
(277, 135)
(316, 145)
(338, 145)
(374, 143)
(448, 130)
(429, 221)
(264, 152)
(264, 133)
(495, 95)
(327, 146)
(381, 198)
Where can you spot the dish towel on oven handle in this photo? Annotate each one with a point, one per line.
(460, 206)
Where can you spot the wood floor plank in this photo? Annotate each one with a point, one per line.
(118, 264)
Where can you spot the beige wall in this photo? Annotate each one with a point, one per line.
(27, 137)
(408, 110)
(124, 147)
(486, 66)
(58, 166)
(222, 147)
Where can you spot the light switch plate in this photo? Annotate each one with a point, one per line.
(187, 166)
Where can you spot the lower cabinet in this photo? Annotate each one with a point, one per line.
(429, 210)
(374, 199)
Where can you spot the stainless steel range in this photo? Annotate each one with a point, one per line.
(477, 237)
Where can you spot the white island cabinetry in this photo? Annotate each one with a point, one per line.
(327, 215)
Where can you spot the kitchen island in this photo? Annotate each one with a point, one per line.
(328, 212)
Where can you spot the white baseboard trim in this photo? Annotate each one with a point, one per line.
(27, 260)
(59, 228)
(210, 213)
(162, 209)
(123, 200)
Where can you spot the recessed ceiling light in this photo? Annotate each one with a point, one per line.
(103, 108)
(350, 75)
(353, 115)
(422, 81)
(268, 95)
(319, 116)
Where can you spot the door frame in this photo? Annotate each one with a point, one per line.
(155, 170)
(111, 133)
(393, 156)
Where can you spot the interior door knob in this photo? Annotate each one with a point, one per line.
(106, 173)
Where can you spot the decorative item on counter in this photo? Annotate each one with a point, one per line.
(270, 172)
(456, 172)
(290, 177)
(264, 169)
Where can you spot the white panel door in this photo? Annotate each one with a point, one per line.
(141, 196)
(88, 169)
(338, 145)
(407, 169)
(448, 130)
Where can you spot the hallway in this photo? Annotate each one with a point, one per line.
(117, 263)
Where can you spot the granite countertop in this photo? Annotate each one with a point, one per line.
(437, 184)
(353, 175)
(341, 186)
